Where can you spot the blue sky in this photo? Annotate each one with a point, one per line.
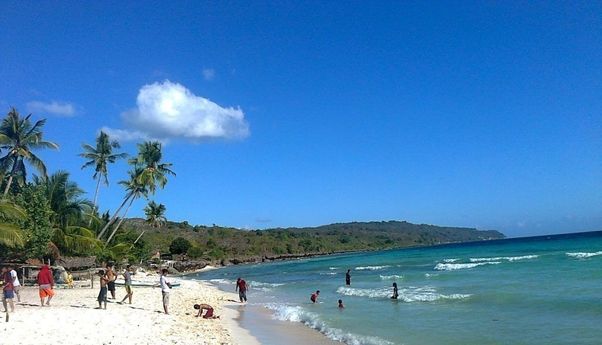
(479, 114)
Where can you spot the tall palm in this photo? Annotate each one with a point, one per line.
(65, 199)
(135, 190)
(154, 173)
(18, 136)
(155, 216)
(100, 157)
(10, 234)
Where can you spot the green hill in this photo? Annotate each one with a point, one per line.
(223, 244)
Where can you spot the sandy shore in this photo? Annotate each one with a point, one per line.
(72, 319)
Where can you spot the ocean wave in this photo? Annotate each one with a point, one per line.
(391, 277)
(411, 294)
(221, 281)
(428, 275)
(298, 314)
(453, 267)
(253, 283)
(328, 273)
(333, 268)
(508, 258)
(449, 261)
(585, 255)
(371, 268)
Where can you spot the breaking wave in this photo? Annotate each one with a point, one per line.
(508, 258)
(584, 255)
(371, 268)
(411, 294)
(391, 277)
(453, 267)
(298, 314)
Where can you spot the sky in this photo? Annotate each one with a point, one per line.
(275, 114)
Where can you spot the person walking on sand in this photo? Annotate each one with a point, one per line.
(165, 287)
(111, 276)
(348, 277)
(395, 291)
(16, 283)
(241, 287)
(8, 293)
(208, 308)
(102, 295)
(127, 277)
(46, 283)
(314, 296)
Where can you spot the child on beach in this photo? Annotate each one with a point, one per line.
(208, 308)
(16, 283)
(395, 292)
(314, 296)
(165, 287)
(8, 293)
(127, 277)
(46, 283)
(102, 295)
(69, 280)
(341, 306)
(111, 276)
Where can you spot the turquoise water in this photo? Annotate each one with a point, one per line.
(545, 290)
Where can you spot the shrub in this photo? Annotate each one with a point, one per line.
(179, 246)
(194, 252)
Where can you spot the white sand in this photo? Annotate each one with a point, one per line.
(72, 319)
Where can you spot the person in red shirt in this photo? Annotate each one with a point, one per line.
(241, 286)
(46, 283)
(314, 296)
(7, 290)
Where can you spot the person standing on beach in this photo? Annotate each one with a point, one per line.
(8, 293)
(395, 291)
(111, 276)
(165, 287)
(46, 283)
(16, 283)
(127, 277)
(348, 277)
(102, 295)
(314, 296)
(241, 287)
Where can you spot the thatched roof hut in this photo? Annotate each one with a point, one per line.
(77, 262)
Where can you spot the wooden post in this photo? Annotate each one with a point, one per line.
(91, 279)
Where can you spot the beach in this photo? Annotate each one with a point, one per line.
(73, 319)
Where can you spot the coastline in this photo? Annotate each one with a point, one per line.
(73, 319)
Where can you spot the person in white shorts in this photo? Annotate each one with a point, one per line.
(16, 283)
(165, 287)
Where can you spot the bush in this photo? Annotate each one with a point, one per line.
(194, 252)
(179, 246)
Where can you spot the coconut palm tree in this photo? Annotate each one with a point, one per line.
(10, 234)
(18, 136)
(155, 216)
(100, 157)
(154, 173)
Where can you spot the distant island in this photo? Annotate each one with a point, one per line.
(226, 245)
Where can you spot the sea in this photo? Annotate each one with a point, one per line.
(537, 290)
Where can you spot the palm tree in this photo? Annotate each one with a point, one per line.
(100, 157)
(149, 159)
(18, 136)
(155, 216)
(10, 235)
(135, 190)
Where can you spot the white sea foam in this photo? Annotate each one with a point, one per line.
(253, 283)
(453, 267)
(371, 268)
(410, 294)
(508, 258)
(328, 273)
(298, 314)
(428, 275)
(221, 281)
(333, 268)
(391, 277)
(449, 261)
(585, 255)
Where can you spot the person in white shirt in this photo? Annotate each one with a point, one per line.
(165, 287)
(16, 283)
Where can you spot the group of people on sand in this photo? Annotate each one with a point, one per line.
(107, 280)
(314, 296)
(11, 287)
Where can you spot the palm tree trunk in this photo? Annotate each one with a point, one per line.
(10, 178)
(112, 220)
(95, 199)
(142, 233)
(120, 221)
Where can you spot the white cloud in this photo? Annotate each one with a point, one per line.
(169, 111)
(125, 135)
(208, 73)
(55, 108)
